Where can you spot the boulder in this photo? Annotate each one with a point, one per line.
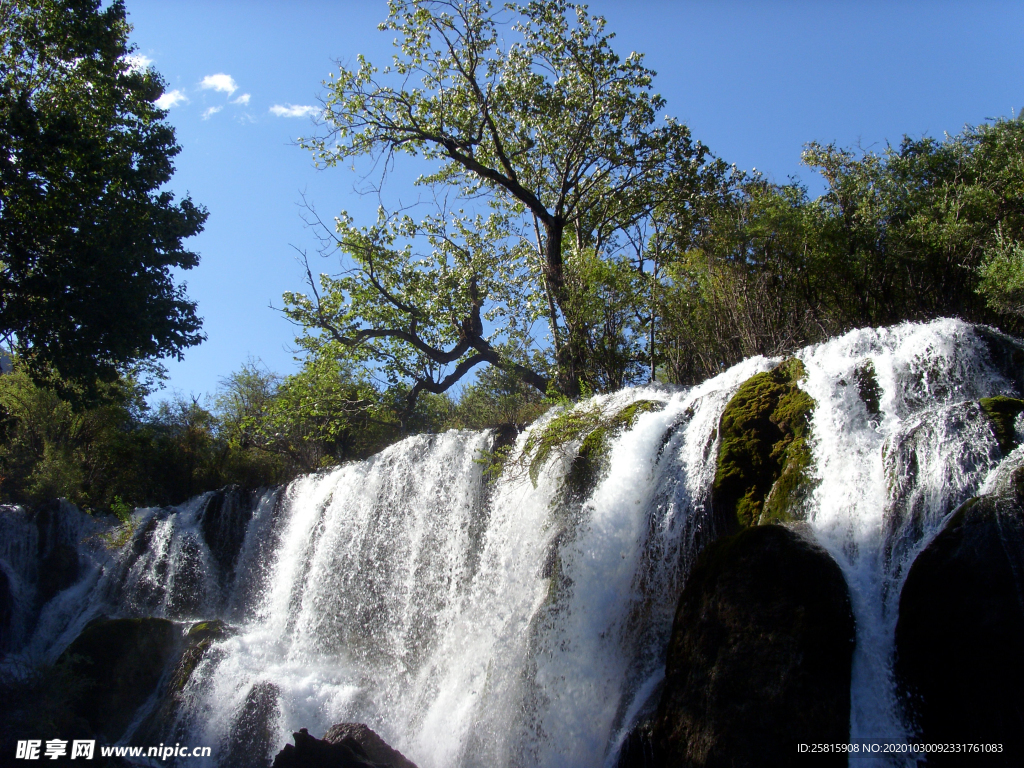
(373, 745)
(763, 455)
(223, 522)
(121, 662)
(346, 745)
(198, 640)
(961, 629)
(255, 729)
(760, 655)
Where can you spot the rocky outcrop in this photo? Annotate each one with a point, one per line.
(961, 629)
(223, 522)
(759, 658)
(198, 641)
(346, 745)
(120, 662)
(1002, 412)
(255, 729)
(763, 454)
(373, 745)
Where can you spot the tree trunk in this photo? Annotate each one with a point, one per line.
(570, 356)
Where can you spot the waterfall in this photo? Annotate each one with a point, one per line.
(512, 622)
(888, 478)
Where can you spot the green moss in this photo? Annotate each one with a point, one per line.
(200, 637)
(562, 429)
(763, 454)
(1002, 412)
(593, 430)
(203, 630)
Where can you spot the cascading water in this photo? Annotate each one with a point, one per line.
(899, 442)
(514, 623)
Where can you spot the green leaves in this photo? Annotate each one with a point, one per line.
(87, 237)
(538, 133)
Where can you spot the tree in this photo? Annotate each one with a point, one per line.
(536, 126)
(920, 230)
(88, 238)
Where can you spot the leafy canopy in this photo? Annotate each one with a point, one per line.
(543, 147)
(88, 237)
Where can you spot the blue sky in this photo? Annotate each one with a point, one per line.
(753, 80)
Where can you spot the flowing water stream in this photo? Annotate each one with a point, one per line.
(509, 623)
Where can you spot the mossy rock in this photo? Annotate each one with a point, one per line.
(763, 454)
(565, 428)
(121, 661)
(199, 638)
(591, 460)
(158, 726)
(1002, 412)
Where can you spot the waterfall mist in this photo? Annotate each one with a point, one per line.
(513, 623)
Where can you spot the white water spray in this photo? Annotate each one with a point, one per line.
(507, 624)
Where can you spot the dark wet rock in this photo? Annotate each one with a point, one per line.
(224, 519)
(6, 610)
(57, 571)
(255, 730)
(187, 595)
(1004, 355)
(763, 454)
(198, 641)
(373, 745)
(961, 629)
(121, 662)
(908, 462)
(1002, 412)
(760, 655)
(341, 747)
(58, 559)
(637, 750)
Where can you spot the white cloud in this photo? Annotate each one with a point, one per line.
(171, 99)
(137, 61)
(220, 82)
(293, 110)
(211, 111)
(243, 99)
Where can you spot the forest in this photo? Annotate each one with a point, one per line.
(578, 245)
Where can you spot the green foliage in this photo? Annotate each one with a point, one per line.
(1002, 412)
(545, 155)
(763, 453)
(124, 532)
(1002, 276)
(498, 398)
(925, 229)
(51, 450)
(88, 235)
